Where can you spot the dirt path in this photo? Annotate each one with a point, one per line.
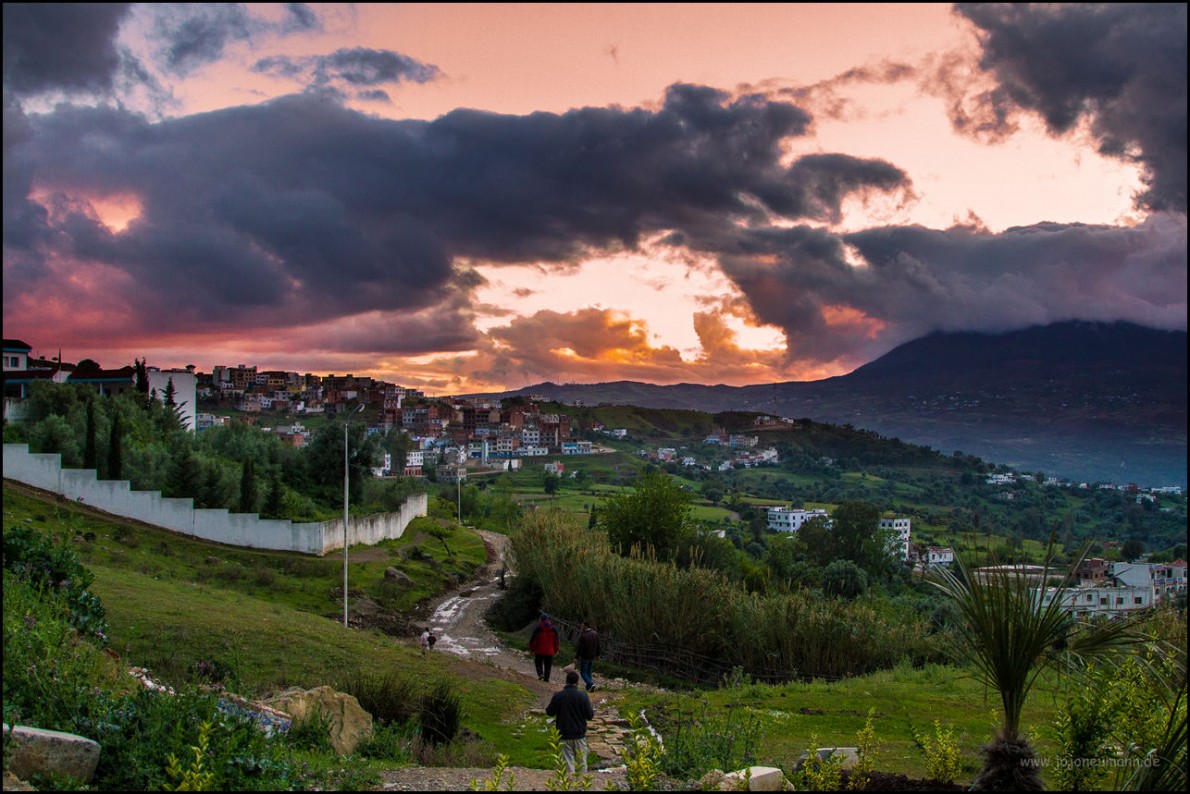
(457, 621)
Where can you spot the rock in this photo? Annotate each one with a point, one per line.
(13, 783)
(397, 576)
(350, 724)
(850, 756)
(32, 750)
(761, 778)
(712, 781)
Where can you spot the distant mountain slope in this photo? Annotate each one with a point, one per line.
(1094, 401)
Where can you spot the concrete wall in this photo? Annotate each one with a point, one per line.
(236, 529)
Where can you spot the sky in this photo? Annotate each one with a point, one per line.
(466, 198)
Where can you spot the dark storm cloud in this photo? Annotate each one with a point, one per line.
(1120, 66)
(357, 67)
(899, 283)
(300, 210)
(67, 47)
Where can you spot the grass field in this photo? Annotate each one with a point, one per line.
(168, 610)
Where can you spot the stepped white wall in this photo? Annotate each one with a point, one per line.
(235, 529)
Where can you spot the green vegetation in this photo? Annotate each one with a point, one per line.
(678, 604)
(655, 610)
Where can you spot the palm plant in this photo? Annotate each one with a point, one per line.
(1008, 633)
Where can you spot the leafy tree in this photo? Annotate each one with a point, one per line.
(857, 536)
(845, 579)
(550, 483)
(55, 434)
(1131, 550)
(324, 460)
(656, 513)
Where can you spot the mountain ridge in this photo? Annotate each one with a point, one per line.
(1084, 400)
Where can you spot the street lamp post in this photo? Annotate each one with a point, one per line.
(346, 424)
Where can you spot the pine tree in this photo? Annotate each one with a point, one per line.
(170, 394)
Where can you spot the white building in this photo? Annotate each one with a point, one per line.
(939, 556)
(790, 519)
(899, 531)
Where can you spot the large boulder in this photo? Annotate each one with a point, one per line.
(350, 724)
(32, 750)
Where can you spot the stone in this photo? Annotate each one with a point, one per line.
(760, 778)
(850, 756)
(32, 750)
(350, 724)
(397, 576)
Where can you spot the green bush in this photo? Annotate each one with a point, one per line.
(440, 713)
(391, 699)
(520, 606)
(698, 741)
(48, 674)
(388, 742)
(49, 562)
(941, 751)
(312, 733)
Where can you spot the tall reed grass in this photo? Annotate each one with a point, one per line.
(639, 599)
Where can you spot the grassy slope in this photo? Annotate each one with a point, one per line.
(163, 620)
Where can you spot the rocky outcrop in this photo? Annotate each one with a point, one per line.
(33, 750)
(350, 724)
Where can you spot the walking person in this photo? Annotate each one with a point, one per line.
(544, 645)
(571, 708)
(588, 654)
(427, 640)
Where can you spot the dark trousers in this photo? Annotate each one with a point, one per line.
(544, 664)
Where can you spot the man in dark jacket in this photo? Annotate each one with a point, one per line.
(571, 708)
(587, 652)
(544, 644)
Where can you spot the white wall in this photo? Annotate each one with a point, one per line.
(236, 529)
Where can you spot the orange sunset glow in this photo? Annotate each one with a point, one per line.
(463, 198)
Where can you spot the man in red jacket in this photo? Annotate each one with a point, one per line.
(544, 644)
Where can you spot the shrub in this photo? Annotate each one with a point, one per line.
(312, 733)
(818, 773)
(698, 741)
(50, 562)
(942, 754)
(642, 756)
(440, 713)
(388, 742)
(390, 699)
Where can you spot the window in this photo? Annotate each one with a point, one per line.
(1138, 600)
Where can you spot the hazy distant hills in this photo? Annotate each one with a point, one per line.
(1093, 401)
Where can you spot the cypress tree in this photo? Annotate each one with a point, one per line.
(89, 453)
(115, 450)
(274, 504)
(248, 487)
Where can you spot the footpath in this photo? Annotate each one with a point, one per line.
(457, 622)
